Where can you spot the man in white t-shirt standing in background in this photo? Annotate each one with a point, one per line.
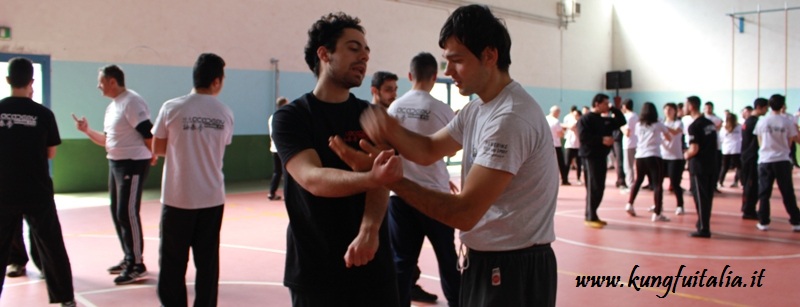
(420, 112)
(191, 132)
(558, 133)
(775, 134)
(127, 138)
(629, 141)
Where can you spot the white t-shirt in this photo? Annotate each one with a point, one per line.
(687, 121)
(419, 112)
(650, 139)
(510, 134)
(673, 149)
(555, 129)
(731, 141)
(197, 128)
(571, 136)
(630, 141)
(775, 131)
(123, 114)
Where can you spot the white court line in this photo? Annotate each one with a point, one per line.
(686, 256)
(135, 287)
(8, 285)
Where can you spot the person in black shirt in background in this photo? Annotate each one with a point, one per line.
(749, 171)
(702, 152)
(595, 134)
(30, 130)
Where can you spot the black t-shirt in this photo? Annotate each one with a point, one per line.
(703, 133)
(749, 141)
(320, 228)
(27, 129)
(592, 128)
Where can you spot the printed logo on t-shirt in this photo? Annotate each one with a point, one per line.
(9, 120)
(200, 123)
(708, 130)
(776, 129)
(497, 150)
(354, 136)
(421, 114)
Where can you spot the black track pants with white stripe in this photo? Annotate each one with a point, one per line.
(125, 181)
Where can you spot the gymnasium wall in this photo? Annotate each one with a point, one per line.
(677, 48)
(156, 42)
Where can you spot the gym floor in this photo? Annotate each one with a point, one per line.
(632, 248)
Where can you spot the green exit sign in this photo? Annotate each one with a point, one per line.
(5, 33)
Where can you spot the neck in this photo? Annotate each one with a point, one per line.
(497, 82)
(117, 92)
(695, 115)
(422, 86)
(329, 91)
(24, 92)
(203, 91)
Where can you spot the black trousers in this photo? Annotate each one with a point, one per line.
(46, 231)
(182, 229)
(125, 181)
(407, 231)
(596, 169)
(650, 167)
(572, 155)
(703, 186)
(620, 159)
(523, 277)
(674, 170)
(375, 295)
(749, 187)
(729, 162)
(562, 168)
(277, 174)
(19, 253)
(768, 173)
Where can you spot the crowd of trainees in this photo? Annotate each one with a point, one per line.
(650, 146)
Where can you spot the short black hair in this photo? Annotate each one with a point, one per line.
(694, 101)
(748, 108)
(649, 114)
(477, 28)
(760, 102)
(776, 102)
(709, 103)
(680, 105)
(598, 99)
(671, 106)
(114, 72)
(208, 67)
(20, 72)
(628, 103)
(423, 66)
(326, 32)
(379, 77)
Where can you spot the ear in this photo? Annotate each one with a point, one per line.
(489, 56)
(409, 77)
(322, 54)
(373, 90)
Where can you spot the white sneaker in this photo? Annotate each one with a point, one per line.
(629, 209)
(719, 186)
(679, 211)
(651, 209)
(624, 191)
(796, 228)
(659, 218)
(762, 227)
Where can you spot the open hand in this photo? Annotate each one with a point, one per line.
(387, 168)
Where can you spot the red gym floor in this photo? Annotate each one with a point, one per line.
(253, 236)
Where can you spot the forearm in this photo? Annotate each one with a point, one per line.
(449, 209)
(97, 137)
(377, 202)
(332, 182)
(415, 147)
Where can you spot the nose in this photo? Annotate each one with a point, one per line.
(448, 70)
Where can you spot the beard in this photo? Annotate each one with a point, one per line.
(345, 78)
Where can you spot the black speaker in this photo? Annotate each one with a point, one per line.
(618, 80)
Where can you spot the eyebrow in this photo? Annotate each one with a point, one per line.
(357, 43)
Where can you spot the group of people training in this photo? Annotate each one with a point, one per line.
(761, 151)
(341, 157)
(191, 132)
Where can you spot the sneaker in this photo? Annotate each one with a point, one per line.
(719, 185)
(796, 228)
(624, 191)
(698, 234)
(131, 274)
(274, 197)
(629, 209)
(16, 270)
(419, 295)
(69, 304)
(679, 211)
(651, 209)
(735, 185)
(116, 269)
(762, 227)
(595, 224)
(579, 182)
(659, 218)
(565, 183)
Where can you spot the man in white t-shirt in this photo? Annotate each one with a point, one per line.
(191, 132)
(558, 133)
(775, 134)
(277, 165)
(420, 112)
(127, 138)
(629, 141)
(507, 203)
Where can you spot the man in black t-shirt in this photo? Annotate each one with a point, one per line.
(30, 130)
(337, 243)
(702, 152)
(749, 171)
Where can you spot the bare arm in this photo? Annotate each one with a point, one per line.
(363, 248)
(51, 152)
(306, 168)
(483, 187)
(159, 147)
(692, 151)
(97, 137)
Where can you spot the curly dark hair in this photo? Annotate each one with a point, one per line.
(326, 32)
(477, 28)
